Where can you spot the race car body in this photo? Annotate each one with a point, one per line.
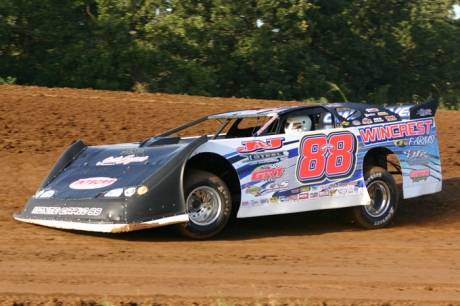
(255, 162)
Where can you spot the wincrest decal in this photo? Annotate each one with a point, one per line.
(395, 131)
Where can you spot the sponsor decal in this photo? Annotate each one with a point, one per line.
(356, 122)
(245, 203)
(333, 192)
(382, 114)
(314, 195)
(267, 173)
(283, 199)
(402, 111)
(324, 193)
(424, 112)
(132, 152)
(395, 131)
(294, 197)
(277, 186)
(370, 110)
(366, 121)
(417, 157)
(76, 211)
(260, 145)
(304, 189)
(92, 183)
(345, 123)
(378, 120)
(264, 201)
(391, 118)
(401, 143)
(421, 140)
(342, 191)
(418, 175)
(265, 157)
(303, 196)
(369, 115)
(122, 160)
(255, 202)
(254, 190)
(274, 200)
(296, 190)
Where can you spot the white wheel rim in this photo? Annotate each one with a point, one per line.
(380, 199)
(203, 205)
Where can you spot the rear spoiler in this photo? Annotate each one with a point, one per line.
(424, 109)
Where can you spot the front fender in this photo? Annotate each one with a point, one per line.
(166, 195)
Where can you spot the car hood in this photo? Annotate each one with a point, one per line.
(101, 168)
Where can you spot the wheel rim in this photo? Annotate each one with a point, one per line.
(203, 205)
(380, 199)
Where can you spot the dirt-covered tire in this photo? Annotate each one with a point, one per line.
(383, 191)
(208, 204)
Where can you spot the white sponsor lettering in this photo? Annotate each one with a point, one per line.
(75, 211)
(122, 160)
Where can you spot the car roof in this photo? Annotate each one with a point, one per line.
(259, 112)
(335, 108)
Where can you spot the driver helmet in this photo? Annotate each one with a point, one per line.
(297, 124)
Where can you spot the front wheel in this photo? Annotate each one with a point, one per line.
(207, 202)
(383, 192)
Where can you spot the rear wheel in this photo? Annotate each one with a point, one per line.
(207, 202)
(383, 192)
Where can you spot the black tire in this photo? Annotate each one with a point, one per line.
(383, 191)
(208, 204)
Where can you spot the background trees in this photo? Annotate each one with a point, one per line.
(381, 51)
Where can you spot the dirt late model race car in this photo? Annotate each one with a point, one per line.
(256, 162)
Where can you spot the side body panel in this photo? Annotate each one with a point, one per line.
(294, 173)
(415, 143)
(324, 169)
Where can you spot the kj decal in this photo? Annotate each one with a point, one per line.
(260, 145)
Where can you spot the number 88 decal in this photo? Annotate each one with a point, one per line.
(330, 156)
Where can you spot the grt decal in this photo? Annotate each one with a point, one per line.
(396, 131)
(331, 157)
(267, 173)
(259, 145)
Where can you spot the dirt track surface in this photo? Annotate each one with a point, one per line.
(313, 258)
